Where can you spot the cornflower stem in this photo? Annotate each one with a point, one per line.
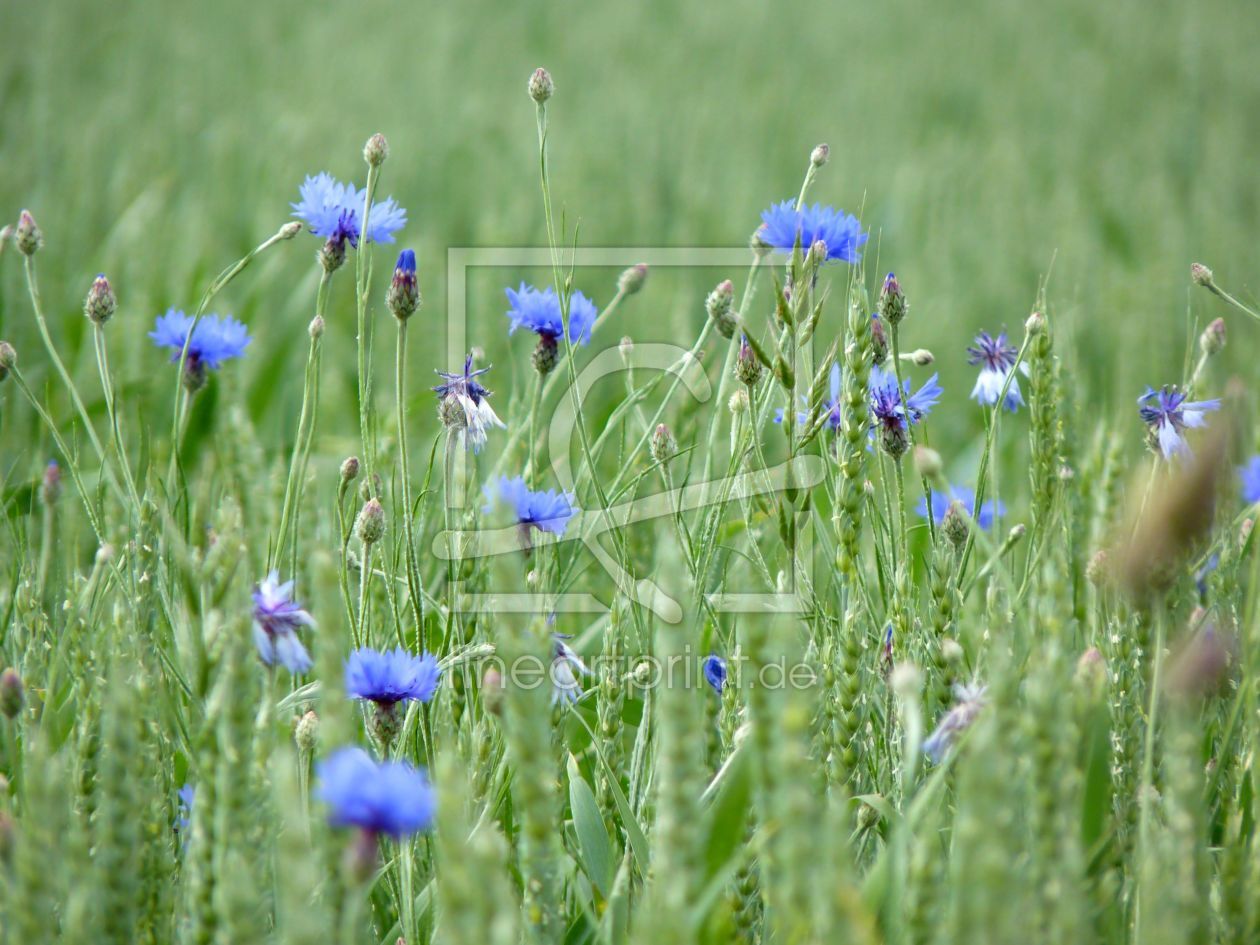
(1146, 785)
(220, 282)
(365, 574)
(107, 387)
(1222, 294)
(32, 286)
(362, 281)
(64, 450)
(302, 443)
(47, 528)
(415, 590)
(535, 407)
(448, 474)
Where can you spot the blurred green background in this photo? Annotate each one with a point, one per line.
(158, 142)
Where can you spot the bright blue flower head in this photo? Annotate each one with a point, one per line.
(277, 618)
(539, 311)
(714, 669)
(548, 511)
(1167, 414)
(970, 700)
(332, 210)
(187, 794)
(214, 340)
(996, 359)
(389, 797)
(391, 677)
(407, 261)
(783, 223)
(894, 410)
(941, 502)
(1250, 476)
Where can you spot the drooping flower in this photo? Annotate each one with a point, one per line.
(387, 797)
(782, 225)
(714, 670)
(969, 700)
(548, 511)
(539, 311)
(941, 501)
(214, 341)
(566, 669)
(332, 210)
(463, 405)
(895, 409)
(996, 359)
(1167, 414)
(1250, 476)
(390, 677)
(277, 618)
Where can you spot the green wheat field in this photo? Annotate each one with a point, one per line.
(723, 586)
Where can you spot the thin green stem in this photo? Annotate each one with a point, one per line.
(414, 587)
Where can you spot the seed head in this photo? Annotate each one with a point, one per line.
(719, 304)
(1212, 341)
(631, 281)
(370, 527)
(12, 693)
(100, 304)
(892, 301)
(1201, 275)
(818, 157)
(664, 446)
(541, 87)
(376, 150)
(28, 237)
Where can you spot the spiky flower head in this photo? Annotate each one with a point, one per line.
(541, 85)
(969, 700)
(747, 366)
(403, 297)
(663, 445)
(539, 311)
(370, 526)
(895, 409)
(547, 511)
(387, 797)
(996, 359)
(28, 237)
(714, 670)
(100, 304)
(332, 210)
(1201, 275)
(390, 677)
(783, 225)
(1167, 415)
(376, 151)
(277, 619)
(719, 304)
(893, 306)
(464, 405)
(632, 279)
(214, 341)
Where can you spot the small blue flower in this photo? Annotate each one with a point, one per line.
(941, 502)
(186, 795)
(392, 676)
(548, 511)
(214, 340)
(566, 669)
(277, 618)
(714, 669)
(331, 209)
(1201, 576)
(475, 414)
(969, 701)
(539, 311)
(388, 797)
(1166, 414)
(1250, 476)
(888, 407)
(782, 224)
(996, 358)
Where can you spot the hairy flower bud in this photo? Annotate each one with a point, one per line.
(370, 527)
(719, 304)
(879, 341)
(12, 693)
(1096, 571)
(541, 86)
(403, 297)
(349, 469)
(631, 281)
(818, 157)
(664, 446)
(954, 526)
(1201, 275)
(8, 359)
(332, 255)
(1212, 341)
(546, 354)
(626, 347)
(306, 732)
(927, 463)
(1091, 672)
(100, 304)
(289, 230)
(28, 237)
(316, 328)
(921, 357)
(376, 150)
(747, 367)
(738, 402)
(892, 301)
(1035, 324)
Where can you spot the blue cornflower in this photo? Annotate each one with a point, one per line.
(783, 224)
(186, 795)
(539, 311)
(1166, 414)
(1201, 576)
(830, 407)
(969, 701)
(392, 676)
(214, 340)
(548, 511)
(277, 618)
(996, 358)
(714, 669)
(566, 669)
(332, 209)
(388, 797)
(463, 405)
(941, 501)
(894, 412)
(1250, 476)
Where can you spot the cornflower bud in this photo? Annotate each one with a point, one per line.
(892, 301)
(1091, 672)
(546, 354)
(954, 525)
(370, 527)
(290, 230)
(919, 356)
(738, 402)
(1201, 275)
(1035, 324)
(28, 237)
(1212, 341)
(818, 157)
(719, 304)
(1096, 571)
(664, 446)
(332, 255)
(12, 693)
(492, 691)
(349, 470)
(631, 281)
(879, 340)
(8, 359)
(316, 328)
(306, 732)
(403, 297)
(927, 463)
(376, 150)
(100, 304)
(747, 367)
(50, 488)
(541, 86)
